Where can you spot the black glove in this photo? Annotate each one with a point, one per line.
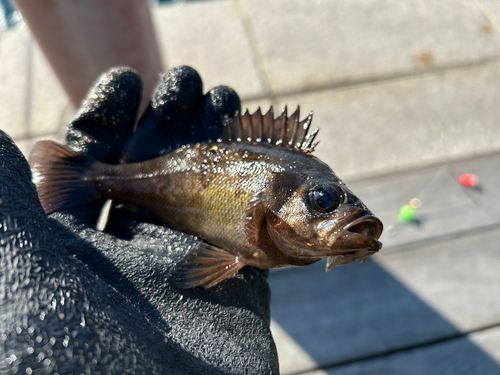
(75, 300)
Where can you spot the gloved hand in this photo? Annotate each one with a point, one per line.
(74, 300)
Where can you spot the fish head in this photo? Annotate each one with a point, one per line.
(320, 217)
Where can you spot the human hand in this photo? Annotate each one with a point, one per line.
(77, 300)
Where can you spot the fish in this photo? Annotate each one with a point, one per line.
(254, 197)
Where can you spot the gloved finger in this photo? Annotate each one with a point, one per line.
(178, 93)
(107, 116)
(170, 119)
(218, 104)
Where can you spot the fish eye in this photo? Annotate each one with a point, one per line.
(325, 198)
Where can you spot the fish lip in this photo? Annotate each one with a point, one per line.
(375, 230)
(374, 246)
(359, 224)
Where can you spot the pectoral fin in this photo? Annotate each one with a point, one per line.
(255, 215)
(205, 265)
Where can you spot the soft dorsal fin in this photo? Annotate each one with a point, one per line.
(282, 131)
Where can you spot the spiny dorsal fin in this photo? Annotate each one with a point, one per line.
(283, 130)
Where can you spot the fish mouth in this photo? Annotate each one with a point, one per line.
(356, 240)
(367, 226)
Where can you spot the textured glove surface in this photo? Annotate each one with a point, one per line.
(75, 300)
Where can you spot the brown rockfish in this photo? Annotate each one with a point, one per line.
(255, 197)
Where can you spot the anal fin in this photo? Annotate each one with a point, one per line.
(205, 265)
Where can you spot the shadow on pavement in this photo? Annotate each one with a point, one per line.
(358, 312)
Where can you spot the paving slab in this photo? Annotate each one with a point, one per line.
(392, 301)
(210, 37)
(448, 208)
(400, 124)
(478, 353)
(458, 279)
(288, 348)
(315, 43)
(491, 10)
(264, 104)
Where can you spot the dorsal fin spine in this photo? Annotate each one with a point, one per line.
(295, 117)
(246, 126)
(310, 139)
(282, 131)
(284, 117)
(306, 124)
(256, 123)
(269, 118)
(237, 129)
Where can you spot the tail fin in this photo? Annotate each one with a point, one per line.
(59, 176)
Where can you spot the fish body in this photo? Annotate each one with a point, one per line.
(251, 202)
